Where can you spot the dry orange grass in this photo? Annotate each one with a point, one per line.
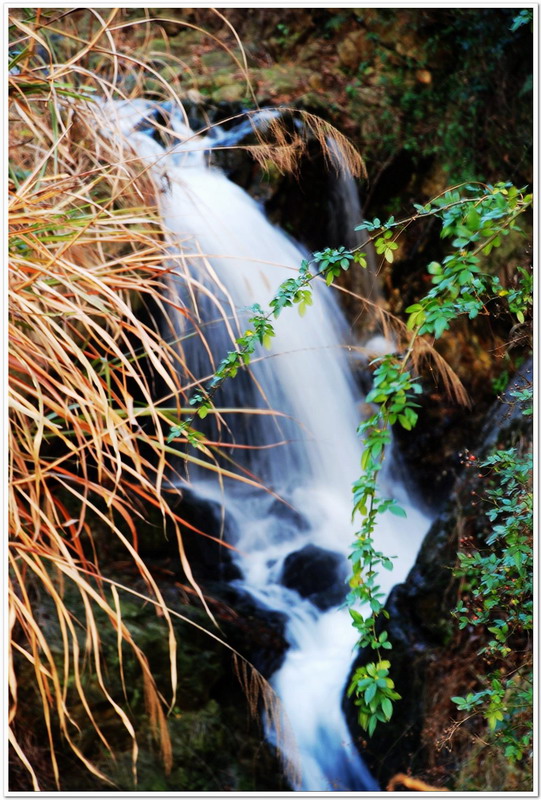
(85, 243)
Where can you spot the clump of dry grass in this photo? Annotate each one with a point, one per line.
(76, 257)
(86, 431)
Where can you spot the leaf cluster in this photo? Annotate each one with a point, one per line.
(374, 692)
(331, 263)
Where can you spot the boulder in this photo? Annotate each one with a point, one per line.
(209, 559)
(252, 629)
(231, 93)
(317, 574)
(288, 517)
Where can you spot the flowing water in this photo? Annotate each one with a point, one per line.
(231, 258)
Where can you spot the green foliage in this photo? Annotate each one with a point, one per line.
(293, 291)
(520, 298)
(470, 110)
(384, 246)
(497, 596)
(183, 428)
(394, 389)
(524, 17)
(499, 384)
(331, 263)
(374, 693)
(476, 223)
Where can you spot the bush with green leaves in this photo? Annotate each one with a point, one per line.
(497, 598)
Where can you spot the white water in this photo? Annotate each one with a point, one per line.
(307, 378)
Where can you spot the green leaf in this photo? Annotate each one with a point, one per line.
(473, 220)
(370, 692)
(404, 421)
(366, 458)
(439, 326)
(398, 511)
(387, 707)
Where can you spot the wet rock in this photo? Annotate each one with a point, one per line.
(283, 80)
(290, 516)
(316, 574)
(217, 59)
(507, 417)
(209, 559)
(253, 630)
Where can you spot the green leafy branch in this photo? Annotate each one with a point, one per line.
(395, 390)
(476, 225)
(374, 693)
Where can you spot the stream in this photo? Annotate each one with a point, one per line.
(292, 544)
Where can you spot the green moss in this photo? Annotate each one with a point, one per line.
(233, 93)
(288, 79)
(218, 59)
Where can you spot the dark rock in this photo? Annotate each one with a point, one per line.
(316, 574)
(209, 559)
(508, 416)
(253, 630)
(289, 516)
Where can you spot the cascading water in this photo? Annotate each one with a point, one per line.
(231, 257)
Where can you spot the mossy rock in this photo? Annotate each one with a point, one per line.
(218, 59)
(233, 93)
(288, 79)
(155, 44)
(216, 744)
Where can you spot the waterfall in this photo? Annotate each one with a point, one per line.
(228, 257)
